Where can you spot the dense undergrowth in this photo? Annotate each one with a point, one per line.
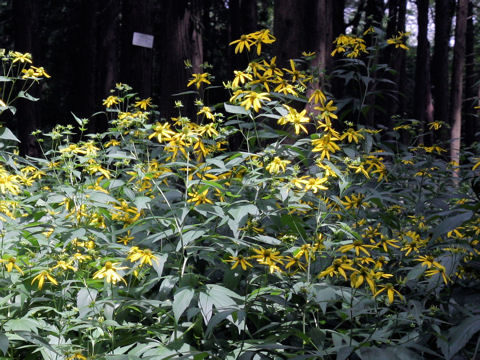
(257, 230)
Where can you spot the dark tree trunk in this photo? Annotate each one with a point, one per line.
(471, 120)
(25, 14)
(457, 79)
(107, 61)
(243, 20)
(307, 25)
(421, 84)
(440, 63)
(180, 38)
(290, 21)
(136, 62)
(84, 60)
(394, 102)
(374, 12)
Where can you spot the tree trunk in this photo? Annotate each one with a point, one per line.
(290, 22)
(440, 63)
(393, 102)
(471, 122)
(243, 20)
(457, 79)
(136, 62)
(25, 14)
(180, 37)
(420, 97)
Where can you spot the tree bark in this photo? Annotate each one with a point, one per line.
(180, 37)
(421, 85)
(25, 14)
(290, 22)
(457, 79)
(440, 63)
(136, 62)
(471, 122)
(243, 20)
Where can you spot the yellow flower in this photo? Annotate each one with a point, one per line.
(205, 110)
(318, 97)
(352, 135)
(23, 58)
(327, 110)
(358, 246)
(262, 36)
(198, 79)
(338, 267)
(10, 264)
(296, 118)
(296, 74)
(41, 279)
(199, 198)
(64, 266)
(143, 104)
(80, 257)
(109, 272)
(244, 41)
(112, 142)
(240, 78)
(435, 125)
(77, 356)
(358, 277)
(390, 292)
(428, 261)
(326, 145)
(438, 269)
(384, 242)
(315, 184)
(40, 71)
(145, 256)
(267, 256)
(354, 201)
(126, 238)
(9, 182)
(399, 40)
(252, 98)
(239, 260)
(277, 165)
(162, 132)
(111, 100)
(294, 261)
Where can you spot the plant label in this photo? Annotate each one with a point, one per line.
(143, 40)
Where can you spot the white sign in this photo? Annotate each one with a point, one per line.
(143, 40)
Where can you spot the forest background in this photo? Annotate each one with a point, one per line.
(87, 48)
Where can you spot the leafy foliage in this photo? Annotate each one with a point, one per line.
(153, 240)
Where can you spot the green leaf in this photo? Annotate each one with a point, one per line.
(458, 336)
(4, 343)
(235, 109)
(158, 265)
(188, 237)
(23, 94)
(450, 223)
(6, 134)
(205, 304)
(85, 297)
(181, 300)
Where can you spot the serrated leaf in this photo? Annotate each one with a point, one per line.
(450, 223)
